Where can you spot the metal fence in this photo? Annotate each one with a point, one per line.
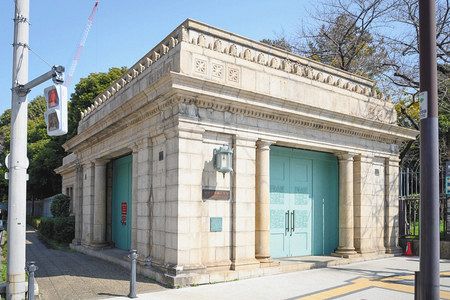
(409, 203)
(410, 183)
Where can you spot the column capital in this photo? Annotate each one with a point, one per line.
(100, 161)
(393, 160)
(264, 144)
(346, 155)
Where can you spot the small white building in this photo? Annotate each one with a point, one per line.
(314, 161)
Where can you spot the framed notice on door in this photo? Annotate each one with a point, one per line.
(124, 213)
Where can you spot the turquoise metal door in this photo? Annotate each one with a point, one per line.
(121, 203)
(326, 205)
(303, 202)
(279, 205)
(300, 208)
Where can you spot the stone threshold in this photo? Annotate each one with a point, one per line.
(280, 266)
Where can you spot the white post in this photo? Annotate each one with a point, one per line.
(18, 161)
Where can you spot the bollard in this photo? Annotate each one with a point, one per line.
(133, 256)
(417, 285)
(31, 268)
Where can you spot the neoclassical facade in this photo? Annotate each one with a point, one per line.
(314, 159)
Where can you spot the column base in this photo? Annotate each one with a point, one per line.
(394, 250)
(76, 242)
(97, 245)
(240, 264)
(345, 253)
(267, 262)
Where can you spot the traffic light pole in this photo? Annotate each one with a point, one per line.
(56, 73)
(429, 155)
(18, 161)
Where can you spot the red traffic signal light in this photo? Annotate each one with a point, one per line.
(52, 98)
(56, 114)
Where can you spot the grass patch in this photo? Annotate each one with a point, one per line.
(414, 230)
(4, 255)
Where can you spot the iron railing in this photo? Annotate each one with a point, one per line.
(409, 204)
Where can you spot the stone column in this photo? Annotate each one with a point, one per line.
(346, 227)
(99, 226)
(262, 230)
(391, 205)
(78, 204)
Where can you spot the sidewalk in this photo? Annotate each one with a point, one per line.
(72, 275)
(391, 278)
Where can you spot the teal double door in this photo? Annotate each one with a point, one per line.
(303, 202)
(121, 202)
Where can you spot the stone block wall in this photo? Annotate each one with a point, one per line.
(216, 251)
(369, 204)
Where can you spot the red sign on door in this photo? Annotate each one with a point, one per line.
(124, 213)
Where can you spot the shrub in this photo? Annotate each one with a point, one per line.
(64, 229)
(46, 227)
(60, 206)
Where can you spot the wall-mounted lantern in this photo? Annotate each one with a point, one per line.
(223, 159)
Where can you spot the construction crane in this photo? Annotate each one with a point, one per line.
(80, 46)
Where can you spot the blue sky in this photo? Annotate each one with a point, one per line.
(124, 31)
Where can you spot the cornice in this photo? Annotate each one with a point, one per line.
(206, 36)
(119, 123)
(391, 135)
(267, 107)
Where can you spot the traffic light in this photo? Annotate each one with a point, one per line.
(56, 114)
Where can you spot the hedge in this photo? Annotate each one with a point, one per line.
(61, 229)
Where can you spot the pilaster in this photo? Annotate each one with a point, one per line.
(88, 201)
(99, 205)
(243, 206)
(391, 227)
(78, 204)
(143, 197)
(187, 162)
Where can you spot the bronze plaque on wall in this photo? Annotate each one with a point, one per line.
(215, 194)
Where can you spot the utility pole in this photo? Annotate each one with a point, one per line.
(18, 161)
(429, 155)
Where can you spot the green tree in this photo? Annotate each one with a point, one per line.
(86, 91)
(343, 36)
(379, 39)
(45, 153)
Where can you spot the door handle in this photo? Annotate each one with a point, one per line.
(293, 220)
(286, 222)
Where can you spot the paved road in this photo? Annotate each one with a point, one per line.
(390, 278)
(72, 275)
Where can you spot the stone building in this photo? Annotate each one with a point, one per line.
(314, 159)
